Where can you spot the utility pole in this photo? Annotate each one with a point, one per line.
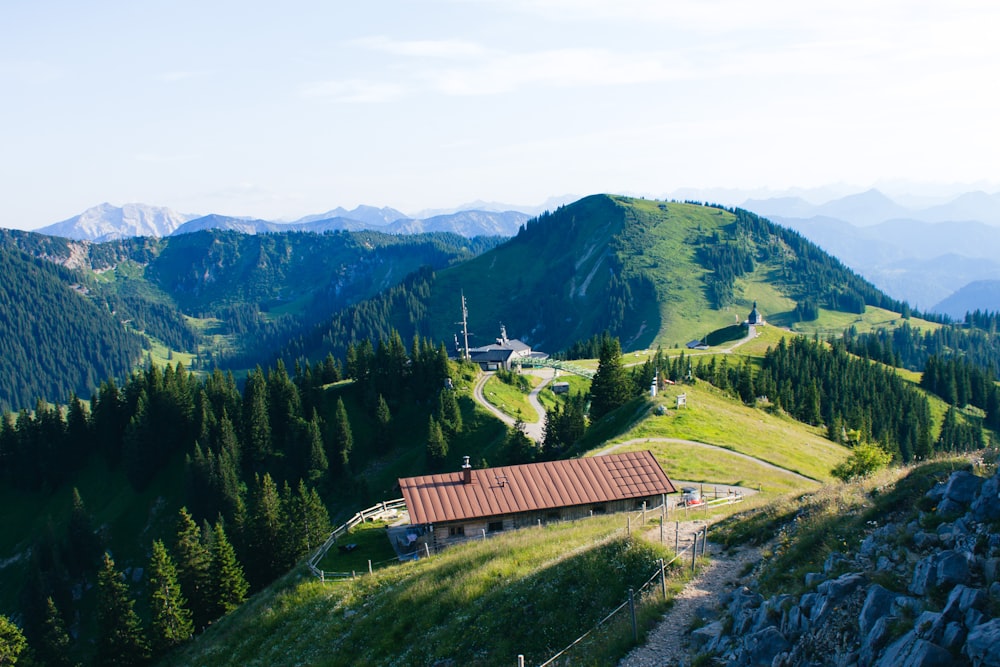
(465, 328)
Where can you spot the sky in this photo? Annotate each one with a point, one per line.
(280, 110)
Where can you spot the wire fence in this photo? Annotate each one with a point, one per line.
(387, 509)
(647, 594)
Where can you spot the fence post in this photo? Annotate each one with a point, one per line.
(484, 533)
(635, 624)
(677, 537)
(427, 550)
(520, 660)
(663, 579)
(661, 534)
(704, 541)
(643, 512)
(369, 566)
(694, 552)
(628, 524)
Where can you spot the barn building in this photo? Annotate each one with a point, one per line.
(452, 507)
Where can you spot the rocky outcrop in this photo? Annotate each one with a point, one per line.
(941, 612)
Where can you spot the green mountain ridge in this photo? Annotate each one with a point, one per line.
(220, 297)
(648, 272)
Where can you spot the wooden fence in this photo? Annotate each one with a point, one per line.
(380, 511)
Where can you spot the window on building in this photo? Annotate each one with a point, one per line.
(599, 509)
(456, 531)
(494, 526)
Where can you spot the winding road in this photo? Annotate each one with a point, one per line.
(534, 430)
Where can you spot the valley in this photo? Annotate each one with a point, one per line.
(316, 374)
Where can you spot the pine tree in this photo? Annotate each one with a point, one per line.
(383, 426)
(609, 389)
(54, 647)
(256, 421)
(171, 620)
(449, 414)
(437, 445)
(229, 585)
(83, 544)
(120, 639)
(264, 557)
(343, 438)
(193, 567)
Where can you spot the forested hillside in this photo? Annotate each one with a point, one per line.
(53, 342)
(223, 298)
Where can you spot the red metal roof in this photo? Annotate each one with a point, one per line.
(533, 486)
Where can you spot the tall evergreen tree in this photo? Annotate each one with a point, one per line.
(256, 421)
(171, 620)
(437, 445)
(82, 543)
(383, 426)
(343, 437)
(193, 569)
(120, 639)
(55, 645)
(229, 585)
(610, 388)
(264, 530)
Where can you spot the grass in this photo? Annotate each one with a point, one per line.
(577, 385)
(372, 545)
(556, 581)
(509, 400)
(714, 418)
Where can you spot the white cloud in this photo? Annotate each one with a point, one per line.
(447, 48)
(353, 90)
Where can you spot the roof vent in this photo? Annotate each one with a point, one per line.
(466, 471)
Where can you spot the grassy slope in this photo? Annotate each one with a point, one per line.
(715, 418)
(556, 581)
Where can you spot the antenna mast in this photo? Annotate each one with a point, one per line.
(465, 328)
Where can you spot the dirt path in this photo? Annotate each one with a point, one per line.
(534, 430)
(667, 644)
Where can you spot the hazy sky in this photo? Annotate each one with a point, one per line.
(282, 109)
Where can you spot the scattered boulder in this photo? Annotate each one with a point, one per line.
(878, 604)
(962, 487)
(912, 651)
(983, 645)
(763, 646)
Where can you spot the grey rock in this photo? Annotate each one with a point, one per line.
(814, 578)
(962, 487)
(834, 560)
(949, 506)
(878, 604)
(707, 634)
(842, 586)
(994, 590)
(807, 601)
(973, 617)
(911, 651)
(875, 640)
(937, 492)
(952, 568)
(966, 598)
(929, 626)
(762, 647)
(924, 540)
(904, 604)
(794, 622)
(991, 570)
(987, 506)
(924, 575)
(983, 644)
(953, 637)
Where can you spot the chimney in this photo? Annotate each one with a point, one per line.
(466, 471)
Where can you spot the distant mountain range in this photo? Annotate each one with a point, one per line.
(107, 222)
(926, 256)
